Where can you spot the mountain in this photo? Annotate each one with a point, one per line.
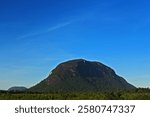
(80, 76)
(17, 89)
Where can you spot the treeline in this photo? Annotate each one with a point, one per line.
(137, 94)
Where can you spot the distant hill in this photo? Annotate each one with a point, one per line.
(82, 76)
(17, 88)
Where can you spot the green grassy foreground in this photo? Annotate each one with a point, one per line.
(138, 94)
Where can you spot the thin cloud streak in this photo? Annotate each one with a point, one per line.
(59, 26)
(46, 31)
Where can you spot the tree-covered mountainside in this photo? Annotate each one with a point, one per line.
(82, 76)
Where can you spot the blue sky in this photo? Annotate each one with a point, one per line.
(36, 35)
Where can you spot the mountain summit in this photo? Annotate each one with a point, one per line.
(80, 76)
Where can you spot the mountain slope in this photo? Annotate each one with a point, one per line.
(81, 75)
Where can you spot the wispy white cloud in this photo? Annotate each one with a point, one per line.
(56, 27)
(59, 26)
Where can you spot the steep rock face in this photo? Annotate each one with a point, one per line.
(81, 75)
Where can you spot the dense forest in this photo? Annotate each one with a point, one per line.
(136, 94)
